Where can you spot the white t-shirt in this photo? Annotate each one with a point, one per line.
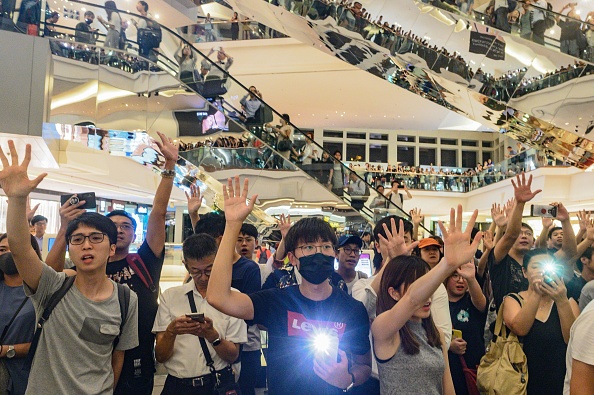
(581, 343)
(187, 359)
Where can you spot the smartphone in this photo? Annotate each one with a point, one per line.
(326, 347)
(88, 197)
(199, 317)
(456, 334)
(543, 211)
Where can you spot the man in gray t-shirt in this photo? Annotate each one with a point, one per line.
(75, 353)
(79, 338)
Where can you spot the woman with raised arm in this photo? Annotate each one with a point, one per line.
(410, 350)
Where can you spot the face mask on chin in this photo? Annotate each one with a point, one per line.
(7, 265)
(316, 268)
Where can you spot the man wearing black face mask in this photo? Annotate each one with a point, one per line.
(84, 32)
(318, 335)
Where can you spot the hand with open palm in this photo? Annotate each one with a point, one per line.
(236, 206)
(458, 246)
(14, 178)
(523, 189)
(393, 244)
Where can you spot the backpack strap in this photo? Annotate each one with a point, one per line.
(124, 300)
(51, 304)
(137, 264)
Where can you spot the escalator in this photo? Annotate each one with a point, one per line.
(100, 91)
(511, 85)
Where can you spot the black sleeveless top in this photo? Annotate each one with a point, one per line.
(545, 351)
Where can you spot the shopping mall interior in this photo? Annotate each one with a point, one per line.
(430, 96)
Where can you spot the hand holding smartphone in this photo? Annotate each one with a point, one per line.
(546, 211)
(198, 317)
(74, 198)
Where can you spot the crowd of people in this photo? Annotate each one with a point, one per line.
(429, 305)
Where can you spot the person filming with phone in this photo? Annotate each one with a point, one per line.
(191, 332)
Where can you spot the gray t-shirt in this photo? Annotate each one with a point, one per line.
(74, 351)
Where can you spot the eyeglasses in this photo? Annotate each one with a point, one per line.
(242, 240)
(310, 249)
(349, 251)
(124, 226)
(199, 273)
(94, 238)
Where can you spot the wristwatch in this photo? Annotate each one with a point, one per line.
(351, 385)
(11, 352)
(216, 342)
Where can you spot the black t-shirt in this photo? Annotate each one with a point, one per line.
(468, 319)
(246, 276)
(120, 272)
(506, 277)
(574, 288)
(291, 320)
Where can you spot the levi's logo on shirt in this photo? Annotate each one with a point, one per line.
(300, 326)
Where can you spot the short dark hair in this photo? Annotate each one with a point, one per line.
(211, 223)
(94, 220)
(379, 229)
(249, 230)
(286, 117)
(532, 253)
(37, 218)
(309, 230)
(198, 246)
(90, 13)
(554, 229)
(122, 213)
(144, 4)
(365, 234)
(578, 262)
(525, 225)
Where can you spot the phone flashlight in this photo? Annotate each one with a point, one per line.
(326, 346)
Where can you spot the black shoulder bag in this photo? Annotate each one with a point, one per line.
(224, 380)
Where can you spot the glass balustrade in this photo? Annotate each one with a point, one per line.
(152, 80)
(216, 31)
(513, 86)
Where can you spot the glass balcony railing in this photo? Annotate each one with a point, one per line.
(516, 87)
(216, 31)
(138, 89)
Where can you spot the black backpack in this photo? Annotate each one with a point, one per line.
(123, 298)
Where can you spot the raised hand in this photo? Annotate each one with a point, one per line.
(393, 244)
(236, 206)
(14, 179)
(458, 246)
(584, 219)
(467, 270)
(498, 215)
(590, 231)
(284, 224)
(488, 242)
(547, 223)
(416, 216)
(168, 148)
(194, 199)
(523, 189)
(562, 214)
(69, 212)
(332, 372)
(508, 207)
(30, 212)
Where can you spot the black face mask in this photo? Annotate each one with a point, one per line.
(7, 265)
(89, 21)
(316, 268)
